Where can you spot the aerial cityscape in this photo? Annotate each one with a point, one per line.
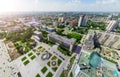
(59, 38)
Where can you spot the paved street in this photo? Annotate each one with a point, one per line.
(6, 68)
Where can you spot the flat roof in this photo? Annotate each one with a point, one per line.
(63, 39)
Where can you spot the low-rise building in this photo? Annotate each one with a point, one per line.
(49, 29)
(112, 25)
(38, 35)
(68, 43)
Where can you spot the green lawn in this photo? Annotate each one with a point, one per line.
(59, 62)
(64, 51)
(77, 36)
(26, 62)
(44, 69)
(39, 47)
(37, 75)
(38, 53)
(24, 58)
(54, 69)
(62, 74)
(30, 54)
(72, 59)
(49, 74)
(43, 49)
(48, 63)
(71, 74)
(33, 57)
(54, 58)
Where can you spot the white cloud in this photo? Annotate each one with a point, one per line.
(70, 5)
(76, 1)
(99, 5)
(106, 1)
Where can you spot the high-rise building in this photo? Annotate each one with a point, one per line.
(112, 25)
(82, 21)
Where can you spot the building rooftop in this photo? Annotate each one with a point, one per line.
(63, 39)
(106, 70)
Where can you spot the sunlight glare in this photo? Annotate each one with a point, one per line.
(7, 6)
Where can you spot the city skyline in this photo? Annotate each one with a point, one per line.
(60, 5)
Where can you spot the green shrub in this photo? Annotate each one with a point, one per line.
(24, 58)
(44, 69)
(26, 62)
(33, 57)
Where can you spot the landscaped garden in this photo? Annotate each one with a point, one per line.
(48, 63)
(26, 62)
(44, 69)
(37, 75)
(54, 58)
(62, 74)
(59, 62)
(24, 58)
(64, 51)
(49, 74)
(54, 69)
(23, 47)
(39, 47)
(30, 54)
(33, 57)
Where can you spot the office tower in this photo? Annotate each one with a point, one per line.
(82, 21)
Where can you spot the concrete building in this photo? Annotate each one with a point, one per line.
(73, 23)
(61, 19)
(55, 23)
(112, 25)
(108, 39)
(82, 21)
(49, 29)
(110, 17)
(89, 43)
(76, 70)
(68, 43)
(38, 35)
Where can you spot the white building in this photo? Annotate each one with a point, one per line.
(112, 25)
(38, 35)
(61, 19)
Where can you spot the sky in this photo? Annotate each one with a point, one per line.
(60, 5)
